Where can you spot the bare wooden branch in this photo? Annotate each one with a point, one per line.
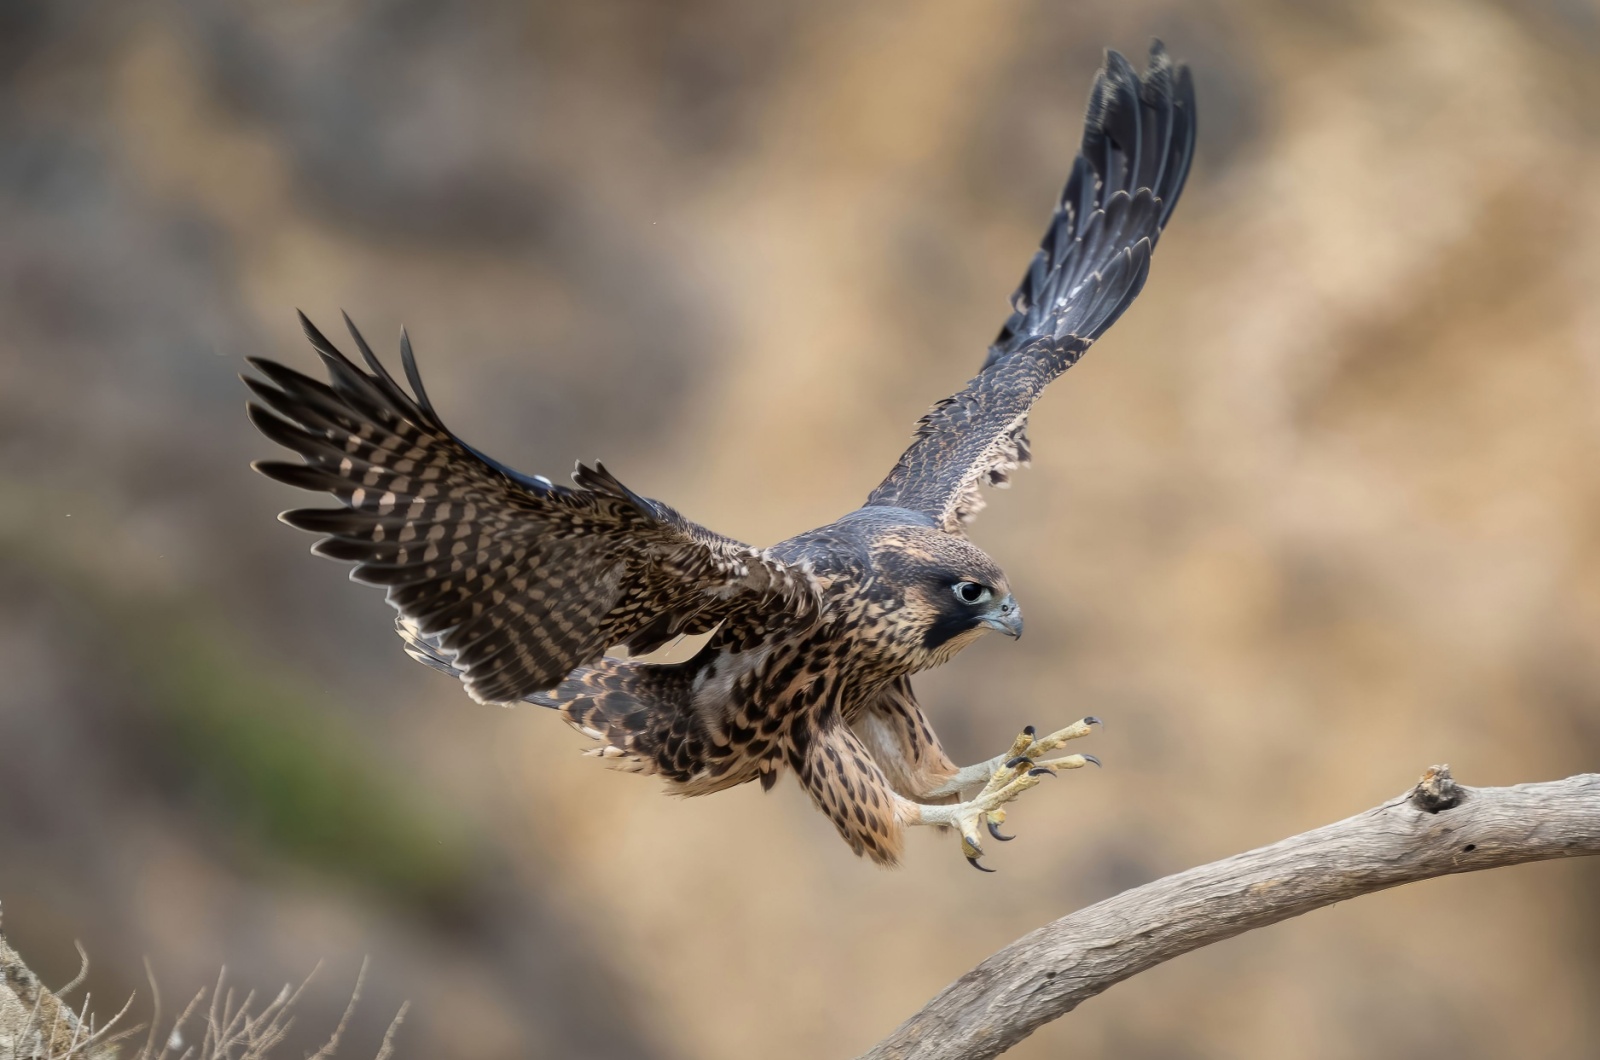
(1436, 829)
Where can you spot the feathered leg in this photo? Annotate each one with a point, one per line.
(897, 734)
(846, 781)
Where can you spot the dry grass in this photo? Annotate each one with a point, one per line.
(216, 1024)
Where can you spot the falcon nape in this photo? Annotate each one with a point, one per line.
(518, 586)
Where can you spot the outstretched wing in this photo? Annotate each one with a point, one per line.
(1137, 143)
(520, 580)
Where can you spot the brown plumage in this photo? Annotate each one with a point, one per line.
(518, 586)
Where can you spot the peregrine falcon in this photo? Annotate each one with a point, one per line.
(518, 586)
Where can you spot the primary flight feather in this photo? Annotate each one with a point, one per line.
(518, 586)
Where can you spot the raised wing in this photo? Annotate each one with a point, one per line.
(519, 580)
(1138, 139)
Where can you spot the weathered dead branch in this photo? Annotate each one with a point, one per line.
(1436, 829)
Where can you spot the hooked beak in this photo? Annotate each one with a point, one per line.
(1005, 616)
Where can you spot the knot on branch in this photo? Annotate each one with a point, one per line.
(1437, 790)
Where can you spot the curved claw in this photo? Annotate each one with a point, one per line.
(1018, 761)
(1042, 772)
(994, 830)
(1092, 758)
(1029, 731)
(1092, 720)
(973, 861)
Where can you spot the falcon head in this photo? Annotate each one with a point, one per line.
(940, 593)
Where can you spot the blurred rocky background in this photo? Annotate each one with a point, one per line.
(1324, 508)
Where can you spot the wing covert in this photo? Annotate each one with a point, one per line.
(520, 579)
(1138, 141)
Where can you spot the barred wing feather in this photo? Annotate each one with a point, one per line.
(1092, 263)
(518, 579)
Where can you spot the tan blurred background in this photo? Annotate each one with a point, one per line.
(1323, 509)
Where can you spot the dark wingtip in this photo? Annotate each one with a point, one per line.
(310, 329)
(393, 390)
(361, 344)
(408, 361)
(1117, 64)
(1158, 60)
(1103, 92)
(303, 476)
(275, 428)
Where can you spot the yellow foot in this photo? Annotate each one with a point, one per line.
(1020, 770)
(1044, 745)
(1023, 760)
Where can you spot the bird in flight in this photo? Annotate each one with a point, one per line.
(518, 586)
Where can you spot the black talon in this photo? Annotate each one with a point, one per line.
(1092, 720)
(994, 830)
(1092, 758)
(1019, 760)
(1043, 772)
(1029, 731)
(974, 863)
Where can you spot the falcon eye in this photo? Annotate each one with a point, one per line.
(971, 592)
